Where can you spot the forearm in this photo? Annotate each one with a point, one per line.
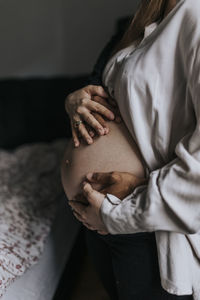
(170, 202)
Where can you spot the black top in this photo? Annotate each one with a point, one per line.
(96, 76)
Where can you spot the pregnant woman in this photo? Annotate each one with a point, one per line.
(145, 186)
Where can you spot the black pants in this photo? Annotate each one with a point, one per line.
(128, 266)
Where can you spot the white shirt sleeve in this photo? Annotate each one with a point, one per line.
(171, 200)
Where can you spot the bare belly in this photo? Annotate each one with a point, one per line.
(116, 151)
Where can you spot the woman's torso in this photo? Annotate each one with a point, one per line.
(149, 83)
(116, 151)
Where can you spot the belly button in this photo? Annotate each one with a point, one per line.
(67, 162)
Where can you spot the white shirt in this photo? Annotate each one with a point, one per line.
(157, 88)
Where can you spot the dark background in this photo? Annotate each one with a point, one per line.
(32, 102)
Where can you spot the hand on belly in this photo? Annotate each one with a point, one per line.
(90, 215)
(115, 152)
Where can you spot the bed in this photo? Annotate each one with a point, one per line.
(41, 280)
(25, 120)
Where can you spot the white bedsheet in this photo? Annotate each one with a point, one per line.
(41, 280)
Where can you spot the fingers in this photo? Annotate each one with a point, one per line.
(102, 232)
(91, 132)
(75, 136)
(103, 178)
(78, 209)
(103, 123)
(96, 90)
(84, 134)
(80, 131)
(85, 131)
(94, 197)
(103, 102)
(111, 105)
(79, 106)
(78, 213)
(88, 226)
(88, 191)
(80, 219)
(96, 107)
(92, 122)
(81, 199)
(88, 129)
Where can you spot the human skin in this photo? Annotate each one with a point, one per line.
(113, 152)
(92, 105)
(82, 104)
(91, 217)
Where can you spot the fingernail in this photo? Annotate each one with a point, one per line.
(112, 116)
(76, 144)
(106, 130)
(89, 141)
(101, 131)
(89, 176)
(84, 183)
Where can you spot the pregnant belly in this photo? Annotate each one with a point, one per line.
(116, 151)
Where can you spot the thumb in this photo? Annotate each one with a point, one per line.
(93, 196)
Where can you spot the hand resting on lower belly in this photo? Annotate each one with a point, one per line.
(115, 151)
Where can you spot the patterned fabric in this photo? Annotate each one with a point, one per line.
(30, 189)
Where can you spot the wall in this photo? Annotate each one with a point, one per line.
(55, 37)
